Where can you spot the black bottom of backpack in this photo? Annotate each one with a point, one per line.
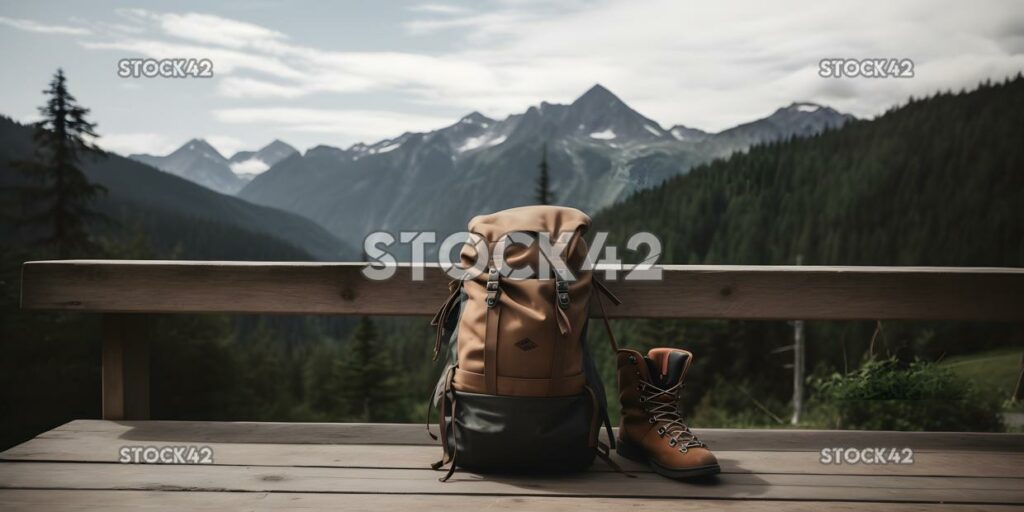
(511, 434)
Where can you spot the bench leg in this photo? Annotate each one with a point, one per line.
(125, 367)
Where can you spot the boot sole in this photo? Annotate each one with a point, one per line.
(634, 453)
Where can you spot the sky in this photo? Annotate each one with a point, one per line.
(338, 73)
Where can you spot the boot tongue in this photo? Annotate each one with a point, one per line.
(667, 365)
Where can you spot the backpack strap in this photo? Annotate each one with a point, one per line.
(440, 320)
(491, 332)
(599, 286)
(445, 406)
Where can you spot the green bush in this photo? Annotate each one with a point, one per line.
(882, 395)
(730, 404)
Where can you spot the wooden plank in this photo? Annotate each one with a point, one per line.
(125, 367)
(738, 292)
(62, 500)
(102, 447)
(57, 475)
(415, 434)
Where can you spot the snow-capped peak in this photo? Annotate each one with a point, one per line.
(476, 118)
(804, 107)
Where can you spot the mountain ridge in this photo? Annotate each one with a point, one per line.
(200, 162)
(209, 224)
(600, 150)
(905, 188)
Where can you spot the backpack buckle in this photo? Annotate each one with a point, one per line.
(492, 288)
(562, 292)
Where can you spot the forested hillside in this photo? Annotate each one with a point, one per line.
(939, 181)
(177, 217)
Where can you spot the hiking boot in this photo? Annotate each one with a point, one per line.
(652, 430)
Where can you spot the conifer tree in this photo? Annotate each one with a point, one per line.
(370, 383)
(57, 195)
(544, 195)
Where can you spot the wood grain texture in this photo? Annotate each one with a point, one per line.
(330, 466)
(125, 367)
(202, 478)
(64, 500)
(737, 292)
(248, 432)
(102, 447)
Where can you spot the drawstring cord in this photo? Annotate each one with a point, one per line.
(441, 317)
(445, 459)
(599, 286)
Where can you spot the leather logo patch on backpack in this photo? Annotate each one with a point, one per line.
(526, 344)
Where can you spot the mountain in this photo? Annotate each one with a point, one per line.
(798, 119)
(600, 151)
(938, 181)
(199, 162)
(681, 132)
(176, 214)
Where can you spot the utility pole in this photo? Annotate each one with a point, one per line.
(798, 364)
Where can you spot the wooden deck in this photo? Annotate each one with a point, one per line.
(262, 466)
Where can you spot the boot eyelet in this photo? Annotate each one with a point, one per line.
(651, 420)
(672, 442)
(661, 431)
(632, 359)
(683, 449)
(642, 399)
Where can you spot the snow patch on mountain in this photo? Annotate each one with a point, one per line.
(483, 141)
(386, 149)
(606, 134)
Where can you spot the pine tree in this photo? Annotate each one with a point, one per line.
(544, 195)
(370, 383)
(57, 194)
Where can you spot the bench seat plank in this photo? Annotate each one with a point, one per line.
(64, 500)
(197, 478)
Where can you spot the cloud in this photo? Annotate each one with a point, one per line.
(33, 26)
(133, 143)
(225, 144)
(205, 28)
(225, 61)
(438, 8)
(674, 62)
(671, 60)
(244, 87)
(350, 125)
(250, 166)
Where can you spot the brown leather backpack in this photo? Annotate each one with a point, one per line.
(520, 390)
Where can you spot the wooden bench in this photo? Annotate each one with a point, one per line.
(385, 467)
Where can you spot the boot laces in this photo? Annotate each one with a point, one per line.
(667, 414)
